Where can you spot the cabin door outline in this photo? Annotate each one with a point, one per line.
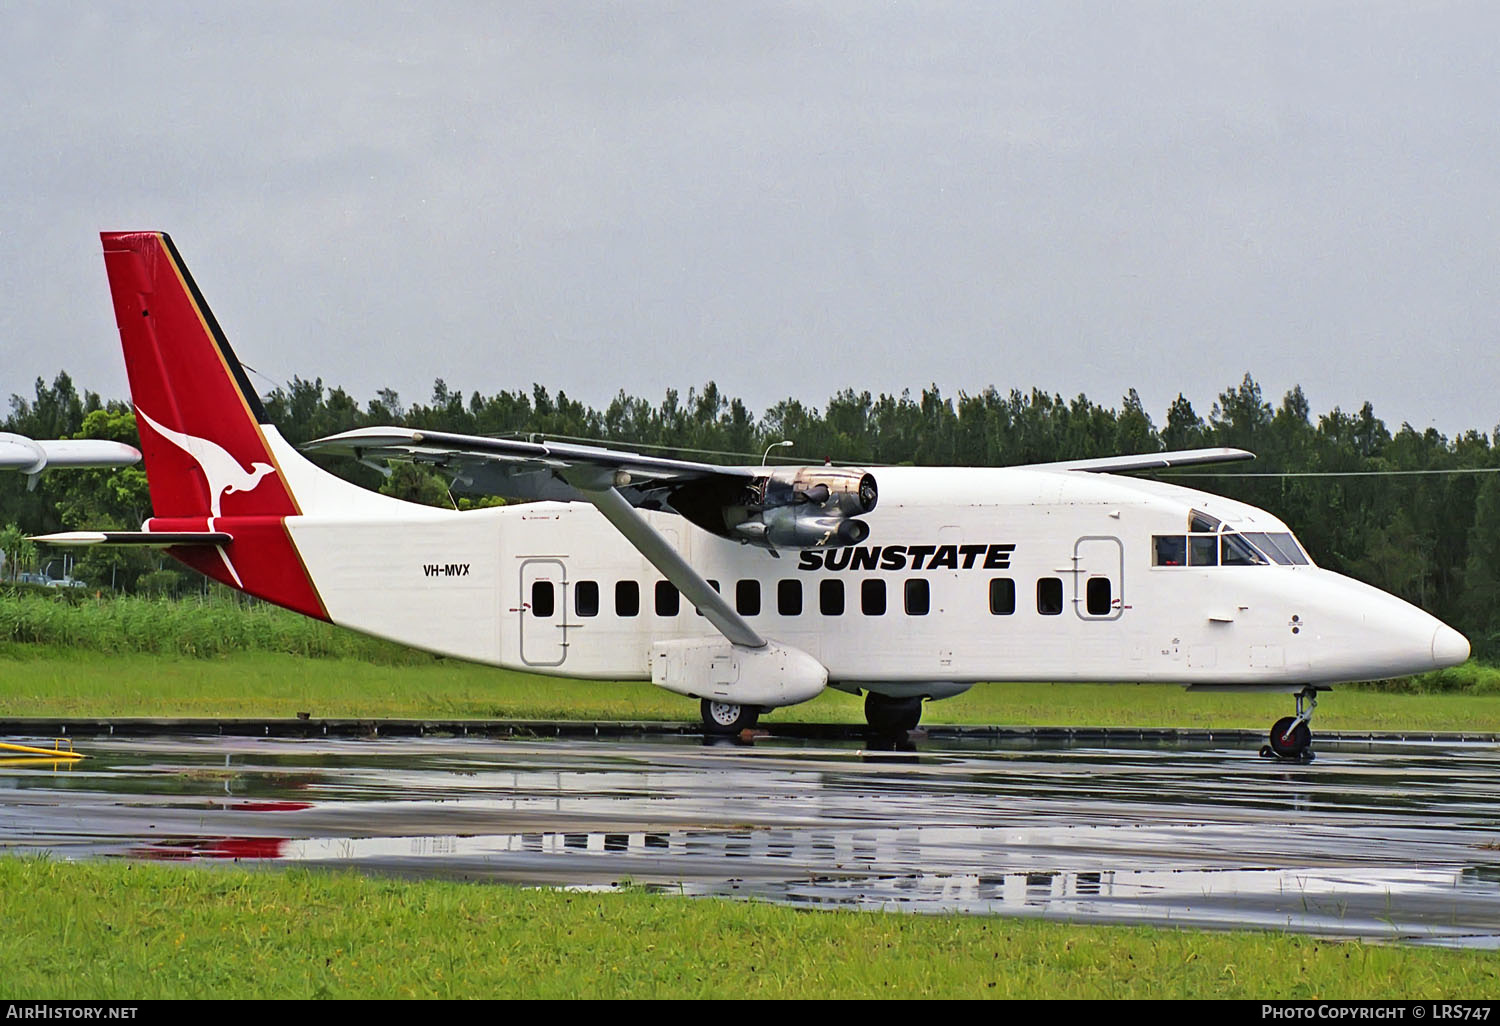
(543, 639)
(1098, 558)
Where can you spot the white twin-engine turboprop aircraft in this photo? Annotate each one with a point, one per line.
(751, 587)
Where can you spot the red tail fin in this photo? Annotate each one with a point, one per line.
(199, 418)
(207, 459)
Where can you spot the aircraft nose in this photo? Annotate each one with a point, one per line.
(1449, 648)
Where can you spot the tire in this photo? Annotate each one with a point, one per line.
(1292, 747)
(727, 718)
(892, 716)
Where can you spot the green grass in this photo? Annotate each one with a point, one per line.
(205, 628)
(124, 931)
(45, 681)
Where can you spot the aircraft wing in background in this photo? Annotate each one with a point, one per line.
(32, 456)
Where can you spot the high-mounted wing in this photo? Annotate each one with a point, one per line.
(517, 469)
(771, 507)
(1149, 461)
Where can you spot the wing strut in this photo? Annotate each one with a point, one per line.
(608, 501)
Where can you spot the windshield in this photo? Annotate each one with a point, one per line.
(1227, 547)
(1281, 547)
(1236, 551)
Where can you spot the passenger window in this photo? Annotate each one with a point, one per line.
(789, 598)
(1002, 596)
(586, 598)
(1049, 596)
(543, 602)
(712, 584)
(831, 597)
(1203, 550)
(627, 598)
(1097, 596)
(918, 597)
(747, 598)
(872, 597)
(668, 601)
(1170, 550)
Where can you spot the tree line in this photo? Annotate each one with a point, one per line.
(1431, 537)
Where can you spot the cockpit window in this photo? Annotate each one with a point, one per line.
(1281, 546)
(1263, 543)
(1227, 547)
(1200, 522)
(1235, 551)
(1189, 550)
(1292, 549)
(1170, 550)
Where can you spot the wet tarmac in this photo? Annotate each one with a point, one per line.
(1396, 840)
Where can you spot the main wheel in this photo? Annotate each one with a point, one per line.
(887, 715)
(1290, 747)
(728, 718)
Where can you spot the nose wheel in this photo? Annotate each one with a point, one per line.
(1291, 736)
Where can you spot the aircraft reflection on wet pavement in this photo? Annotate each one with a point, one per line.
(1382, 840)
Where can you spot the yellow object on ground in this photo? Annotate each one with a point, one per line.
(57, 751)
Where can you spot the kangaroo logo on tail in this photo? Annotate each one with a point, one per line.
(222, 471)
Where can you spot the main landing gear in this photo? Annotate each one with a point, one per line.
(726, 718)
(1291, 737)
(889, 716)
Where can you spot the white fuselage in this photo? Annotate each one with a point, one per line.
(547, 587)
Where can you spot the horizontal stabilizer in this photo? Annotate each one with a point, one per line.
(154, 539)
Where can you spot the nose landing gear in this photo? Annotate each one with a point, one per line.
(1291, 737)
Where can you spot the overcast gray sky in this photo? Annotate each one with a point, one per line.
(787, 198)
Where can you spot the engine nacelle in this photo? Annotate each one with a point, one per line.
(790, 508)
(832, 490)
(805, 508)
(787, 528)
